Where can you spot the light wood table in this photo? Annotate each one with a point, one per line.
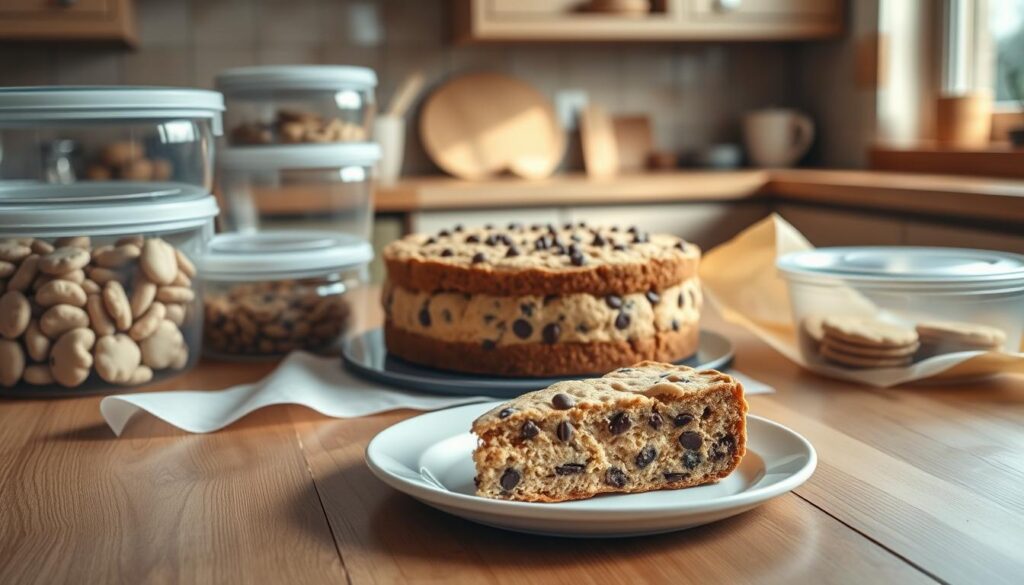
(914, 485)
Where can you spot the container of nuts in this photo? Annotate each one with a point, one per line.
(98, 287)
(293, 104)
(285, 187)
(270, 293)
(68, 134)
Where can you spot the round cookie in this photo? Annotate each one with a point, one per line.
(175, 294)
(25, 275)
(12, 362)
(84, 242)
(116, 257)
(867, 331)
(148, 323)
(960, 333)
(856, 361)
(115, 301)
(37, 344)
(71, 357)
(116, 357)
(159, 261)
(101, 322)
(41, 247)
(870, 352)
(38, 375)
(59, 319)
(143, 294)
(57, 292)
(162, 348)
(13, 251)
(64, 260)
(15, 313)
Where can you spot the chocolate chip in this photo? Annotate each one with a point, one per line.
(479, 257)
(598, 240)
(488, 226)
(578, 259)
(488, 318)
(619, 423)
(616, 478)
(683, 419)
(527, 309)
(576, 238)
(510, 479)
(506, 412)
(582, 224)
(430, 241)
(582, 328)
(619, 247)
(536, 227)
(652, 297)
(675, 325)
(681, 245)
(549, 298)
(691, 440)
(472, 239)
(512, 252)
(570, 469)
(515, 226)
(622, 321)
(632, 229)
(646, 456)
(522, 328)
(564, 431)
(488, 344)
(613, 301)
(458, 227)
(444, 233)
(551, 332)
(641, 238)
(446, 315)
(725, 446)
(614, 229)
(492, 240)
(670, 476)
(567, 225)
(707, 413)
(425, 317)
(655, 420)
(691, 459)
(541, 244)
(682, 300)
(562, 401)
(529, 430)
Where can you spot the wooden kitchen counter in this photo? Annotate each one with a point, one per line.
(945, 195)
(914, 485)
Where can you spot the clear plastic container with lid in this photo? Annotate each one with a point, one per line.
(953, 299)
(98, 284)
(318, 186)
(271, 293)
(291, 104)
(69, 134)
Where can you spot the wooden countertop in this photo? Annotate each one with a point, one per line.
(976, 197)
(914, 485)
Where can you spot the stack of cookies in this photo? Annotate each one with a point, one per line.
(863, 342)
(951, 336)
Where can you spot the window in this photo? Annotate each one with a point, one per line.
(1006, 27)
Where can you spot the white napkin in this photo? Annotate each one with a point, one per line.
(319, 383)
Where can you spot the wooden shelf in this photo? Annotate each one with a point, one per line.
(81, 21)
(996, 161)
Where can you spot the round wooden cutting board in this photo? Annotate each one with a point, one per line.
(482, 124)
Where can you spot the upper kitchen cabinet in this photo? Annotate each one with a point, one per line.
(68, 20)
(646, 20)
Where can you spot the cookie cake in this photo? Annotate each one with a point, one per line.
(541, 300)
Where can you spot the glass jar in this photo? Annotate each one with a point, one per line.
(271, 293)
(310, 186)
(69, 134)
(955, 299)
(98, 285)
(294, 104)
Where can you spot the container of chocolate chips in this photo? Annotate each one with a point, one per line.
(99, 287)
(270, 293)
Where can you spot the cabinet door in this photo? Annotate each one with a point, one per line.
(68, 20)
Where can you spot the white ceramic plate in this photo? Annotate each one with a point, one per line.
(429, 457)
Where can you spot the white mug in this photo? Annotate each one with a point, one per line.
(777, 137)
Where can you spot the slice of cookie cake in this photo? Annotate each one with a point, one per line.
(647, 427)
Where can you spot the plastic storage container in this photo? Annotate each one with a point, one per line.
(273, 292)
(312, 186)
(910, 286)
(98, 285)
(293, 104)
(69, 134)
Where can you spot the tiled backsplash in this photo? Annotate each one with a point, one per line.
(694, 93)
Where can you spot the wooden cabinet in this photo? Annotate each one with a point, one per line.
(668, 20)
(68, 20)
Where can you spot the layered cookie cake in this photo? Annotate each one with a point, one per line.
(647, 427)
(541, 300)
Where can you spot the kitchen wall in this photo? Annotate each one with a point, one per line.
(695, 93)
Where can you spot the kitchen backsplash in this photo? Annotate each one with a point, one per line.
(694, 93)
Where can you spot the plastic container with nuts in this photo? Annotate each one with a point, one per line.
(68, 134)
(95, 296)
(293, 104)
(318, 186)
(270, 293)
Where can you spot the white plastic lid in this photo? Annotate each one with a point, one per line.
(299, 156)
(101, 208)
(282, 254)
(32, 104)
(312, 77)
(915, 267)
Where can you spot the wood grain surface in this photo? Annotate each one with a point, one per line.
(914, 485)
